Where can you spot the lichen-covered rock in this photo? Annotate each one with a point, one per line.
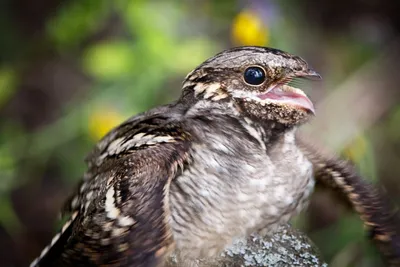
(287, 247)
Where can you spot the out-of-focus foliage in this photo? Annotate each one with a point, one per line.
(75, 21)
(360, 152)
(7, 84)
(73, 70)
(118, 55)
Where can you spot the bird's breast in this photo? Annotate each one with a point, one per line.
(224, 194)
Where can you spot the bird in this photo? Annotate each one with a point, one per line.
(189, 177)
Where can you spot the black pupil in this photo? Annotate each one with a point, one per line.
(254, 75)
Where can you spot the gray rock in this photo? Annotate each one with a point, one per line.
(287, 247)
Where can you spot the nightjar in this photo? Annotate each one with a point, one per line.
(189, 177)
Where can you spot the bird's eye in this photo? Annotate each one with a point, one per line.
(254, 75)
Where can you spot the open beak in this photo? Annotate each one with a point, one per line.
(289, 95)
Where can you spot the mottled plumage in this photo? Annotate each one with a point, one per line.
(189, 177)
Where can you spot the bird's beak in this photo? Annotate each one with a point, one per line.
(309, 74)
(292, 96)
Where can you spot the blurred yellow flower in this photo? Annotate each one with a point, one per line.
(101, 122)
(249, 29)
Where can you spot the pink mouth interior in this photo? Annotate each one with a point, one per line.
(288, 97)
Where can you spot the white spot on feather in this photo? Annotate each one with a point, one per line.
(159, 139)
(112, 211)
(211, 90)
(35, 262)
(83, 187)
(55, 238)
(139, 136)
(65, 226)
(199, 88)
(118, 231)
(44, 251)
(220, 96)
(125, 221)
(74, 202)
(253, 131)
(115, 145)
(89, 195)
(122, 144)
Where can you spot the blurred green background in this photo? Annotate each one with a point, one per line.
(71, 70)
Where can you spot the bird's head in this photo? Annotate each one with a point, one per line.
(255, 80)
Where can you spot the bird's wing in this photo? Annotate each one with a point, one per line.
(375, 210)
(119, 214)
